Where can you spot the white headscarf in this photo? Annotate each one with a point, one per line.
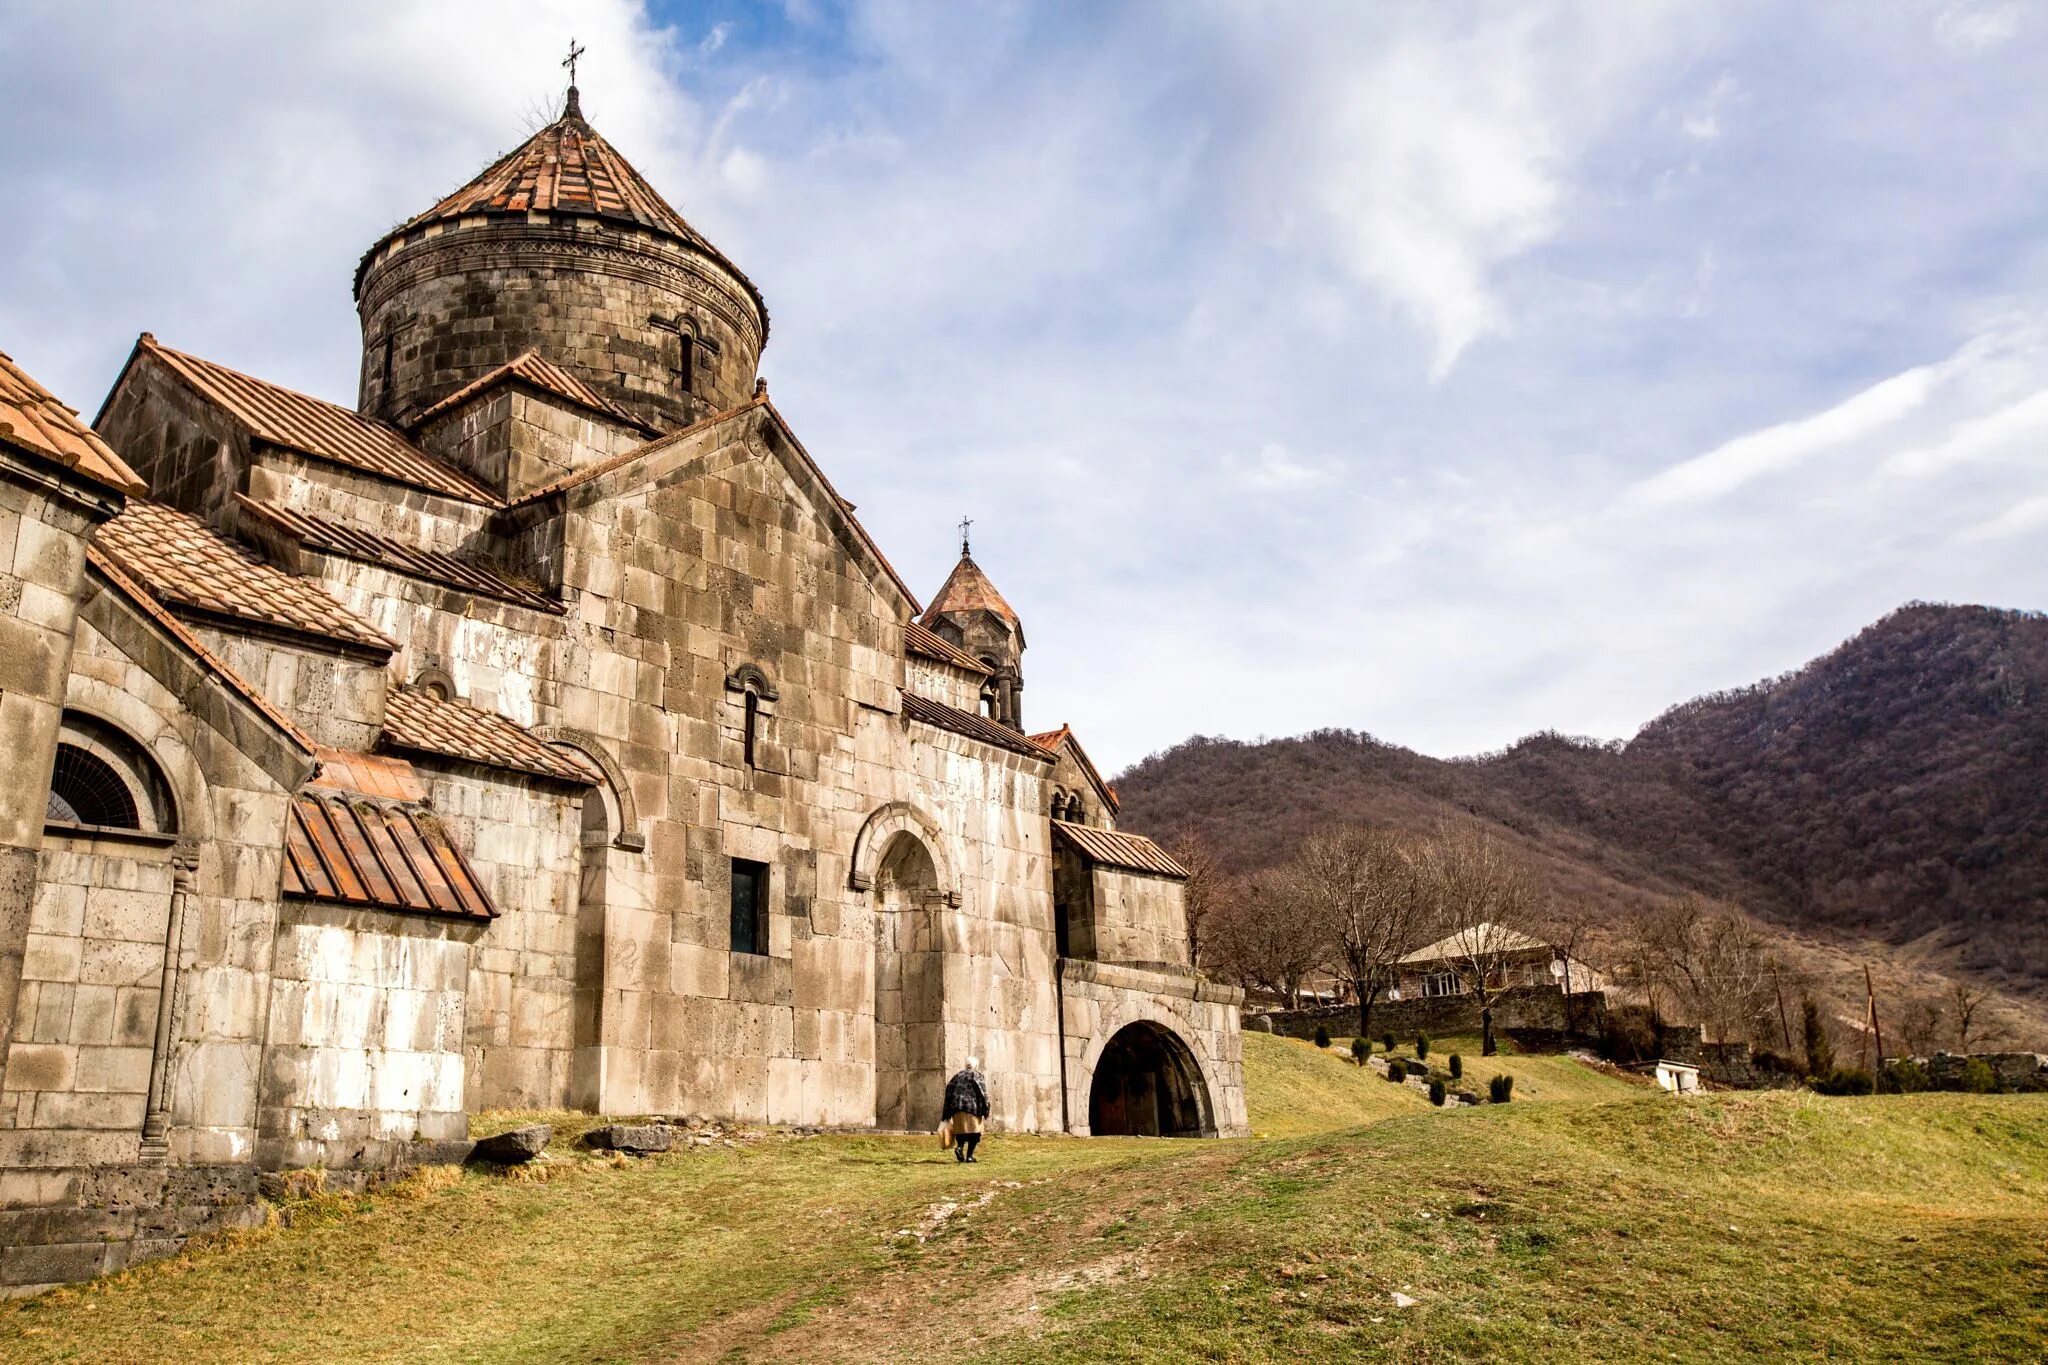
(973, 1064)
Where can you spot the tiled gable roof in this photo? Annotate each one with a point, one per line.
(348, 848)
(530, 368)
(967, 588)
(180, 560)
(1483, 939)
(33, 419)
(331, 537)
(318, 428)
(212, 662)
(418, 720)
(918, 640)
(1114, 848)
(974, 727)
(567, 168)
(1051, 741)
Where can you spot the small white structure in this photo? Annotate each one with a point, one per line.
(1678, 1078)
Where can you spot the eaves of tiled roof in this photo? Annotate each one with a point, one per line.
(311, 426)
(1114, 848)
(331, 537)
(33, 419)
(193, 645)
(966, 723)
(178, 559)
(918, 640)
(530, 368)
(419, 721)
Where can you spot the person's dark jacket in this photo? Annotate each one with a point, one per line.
(966, 1093)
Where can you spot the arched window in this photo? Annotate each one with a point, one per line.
(104, 780)
(755, 696)
(751, 724)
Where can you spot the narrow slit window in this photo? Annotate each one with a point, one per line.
(686, 363)
(749, 906)
(751, 725)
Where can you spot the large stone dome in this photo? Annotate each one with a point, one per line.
(559, 246)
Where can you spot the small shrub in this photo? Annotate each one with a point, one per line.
(1906, 1077)
(1360, 1050)
(1388, 1039)
(1396, 1072)
(1457, 1066)
(1422, 1044)
(1436, 1093)
(1501, 1089)
(1844, 1080)
(1322, 1036)
(1978, 1078)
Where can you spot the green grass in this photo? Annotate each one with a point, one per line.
(1591, 1219)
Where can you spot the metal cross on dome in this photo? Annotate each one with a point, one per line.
(965, 522)
(570, 61)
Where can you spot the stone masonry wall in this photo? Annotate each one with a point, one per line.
(462, 299)
(1102, 999)
(1544, 1010)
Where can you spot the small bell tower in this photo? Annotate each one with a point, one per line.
(970, 613)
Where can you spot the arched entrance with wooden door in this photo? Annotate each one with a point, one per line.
(1148, 1084)
(910, 1003)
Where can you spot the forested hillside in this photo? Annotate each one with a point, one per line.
(1895, 789)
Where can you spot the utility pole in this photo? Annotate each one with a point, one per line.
(1876, 1030)
(1784, 1021)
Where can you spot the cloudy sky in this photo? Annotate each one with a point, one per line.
(1443, 371)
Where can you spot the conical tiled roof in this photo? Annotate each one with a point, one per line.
(968, 589)
(566, 167)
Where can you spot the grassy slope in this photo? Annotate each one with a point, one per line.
(1599, 1227)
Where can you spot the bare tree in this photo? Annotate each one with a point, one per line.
(1484, 904)
(1265, 936)
(1709, 962)
(1203, 891)
(1366, 888)
(1965, 1010)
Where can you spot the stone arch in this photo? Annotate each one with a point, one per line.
(749, 677)
(880, 831)
(175, 761)
(438, 681)
(615, 792)
(910, 980)
(1146, 1012)
(1147, 1082)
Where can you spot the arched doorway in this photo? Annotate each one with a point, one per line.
(910, 1004)
(1147, 1084)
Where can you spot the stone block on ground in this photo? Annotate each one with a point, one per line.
(513, 1148)
(634, 1139)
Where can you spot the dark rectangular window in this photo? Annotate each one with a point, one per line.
(752, 728)
(749, 906)
(686, 365)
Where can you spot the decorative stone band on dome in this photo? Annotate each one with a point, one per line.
(566, 168)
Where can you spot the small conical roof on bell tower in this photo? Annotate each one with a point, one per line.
(968, 589)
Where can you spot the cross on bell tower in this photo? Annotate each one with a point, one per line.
(573, 106)
(965, 522)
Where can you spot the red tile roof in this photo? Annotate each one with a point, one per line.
(33, 419)
(626, 457)
(967, 589)
(567, 168)
(177, 630)
(967, 723)
(321, 429)
(422, 722)
(918, 640)
(1051, 741)
(178, 559)
(367, 775)
(530, 368)
(390, 855)
(331, 537)
(1114, 848)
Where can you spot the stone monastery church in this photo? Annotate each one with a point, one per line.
(546, 731)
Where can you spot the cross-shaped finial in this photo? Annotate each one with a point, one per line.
(965, 522)
(570, 61)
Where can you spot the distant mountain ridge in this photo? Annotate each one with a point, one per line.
(1895, 789)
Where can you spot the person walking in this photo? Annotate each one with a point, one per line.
(966, 1107)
